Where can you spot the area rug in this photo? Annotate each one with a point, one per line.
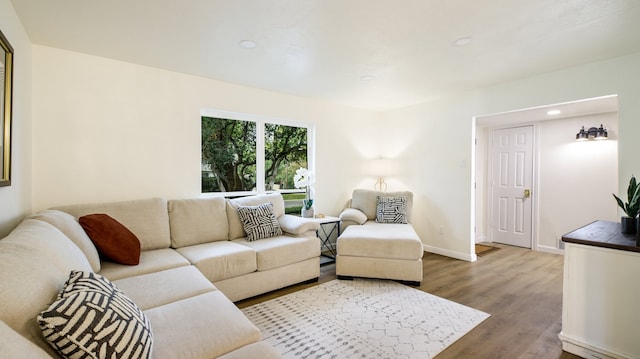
(482, 249)
(363, 318)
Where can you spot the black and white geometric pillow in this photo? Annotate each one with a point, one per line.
(391, 209)
(259, 221)
(92, 318)
(80, 281)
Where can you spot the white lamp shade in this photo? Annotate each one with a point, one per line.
(381, 167)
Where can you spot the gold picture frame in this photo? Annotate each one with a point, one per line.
(6, 79)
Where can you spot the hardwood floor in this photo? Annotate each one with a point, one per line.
(521, 289)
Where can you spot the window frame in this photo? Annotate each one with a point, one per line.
(260, 122)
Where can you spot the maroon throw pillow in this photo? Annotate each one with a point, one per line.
(113, 241)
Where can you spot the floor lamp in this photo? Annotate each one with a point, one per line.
(380, 169)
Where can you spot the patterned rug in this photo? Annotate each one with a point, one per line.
(363, 318)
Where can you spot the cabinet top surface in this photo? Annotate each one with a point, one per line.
(602, 234)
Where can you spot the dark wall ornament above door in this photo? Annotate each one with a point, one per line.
(6, 87)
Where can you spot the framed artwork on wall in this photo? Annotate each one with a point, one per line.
(6, 87)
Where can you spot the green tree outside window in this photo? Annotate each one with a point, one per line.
(229, 155)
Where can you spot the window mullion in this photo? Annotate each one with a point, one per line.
(260, 152)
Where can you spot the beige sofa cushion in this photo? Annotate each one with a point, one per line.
(221, 260)
(280, 251)
(198, 220)
(381, 240)
(164, 287)
(366, 201)
(14, 345)
(148, 219)
(69, 225)
(235, 225)
(35, 261)
(150, 261)
(204, 326)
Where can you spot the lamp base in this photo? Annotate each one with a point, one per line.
(380, 185)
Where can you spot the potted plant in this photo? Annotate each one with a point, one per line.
(303, 179)
(631, 208)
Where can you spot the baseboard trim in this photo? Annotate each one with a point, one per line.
(549, 249)
(449, 253)
(584, 350)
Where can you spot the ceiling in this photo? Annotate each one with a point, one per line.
(580, 108)
(372, 54)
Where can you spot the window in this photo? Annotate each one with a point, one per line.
(228, 155)
(245, 153)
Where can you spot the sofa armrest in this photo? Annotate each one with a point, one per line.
(353, 215)
(297, 225)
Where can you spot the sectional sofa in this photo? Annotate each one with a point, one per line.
(194, 262)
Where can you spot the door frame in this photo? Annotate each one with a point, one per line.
(534, 182)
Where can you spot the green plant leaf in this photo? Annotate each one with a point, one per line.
(308, 203)
(634, 203)
(620, 203)
(632, 188)
(632, 207)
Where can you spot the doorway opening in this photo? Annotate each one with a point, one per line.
(571, 181)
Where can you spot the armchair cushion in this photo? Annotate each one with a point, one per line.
(353, 215)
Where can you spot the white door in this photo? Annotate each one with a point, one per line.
(512, 177)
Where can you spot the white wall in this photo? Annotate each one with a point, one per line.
(440, 136)
(107, 130)
(481, 189)
(15, 200)
(576, 178)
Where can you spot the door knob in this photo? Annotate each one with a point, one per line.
(527, 193)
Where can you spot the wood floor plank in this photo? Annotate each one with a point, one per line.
(520, 288)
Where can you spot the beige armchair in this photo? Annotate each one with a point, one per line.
(378, 240)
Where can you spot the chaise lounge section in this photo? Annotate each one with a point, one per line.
(379, 240)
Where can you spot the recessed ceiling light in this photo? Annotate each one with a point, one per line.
(367, 78)
(463, 41)
(553, 112)
(248, 44)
